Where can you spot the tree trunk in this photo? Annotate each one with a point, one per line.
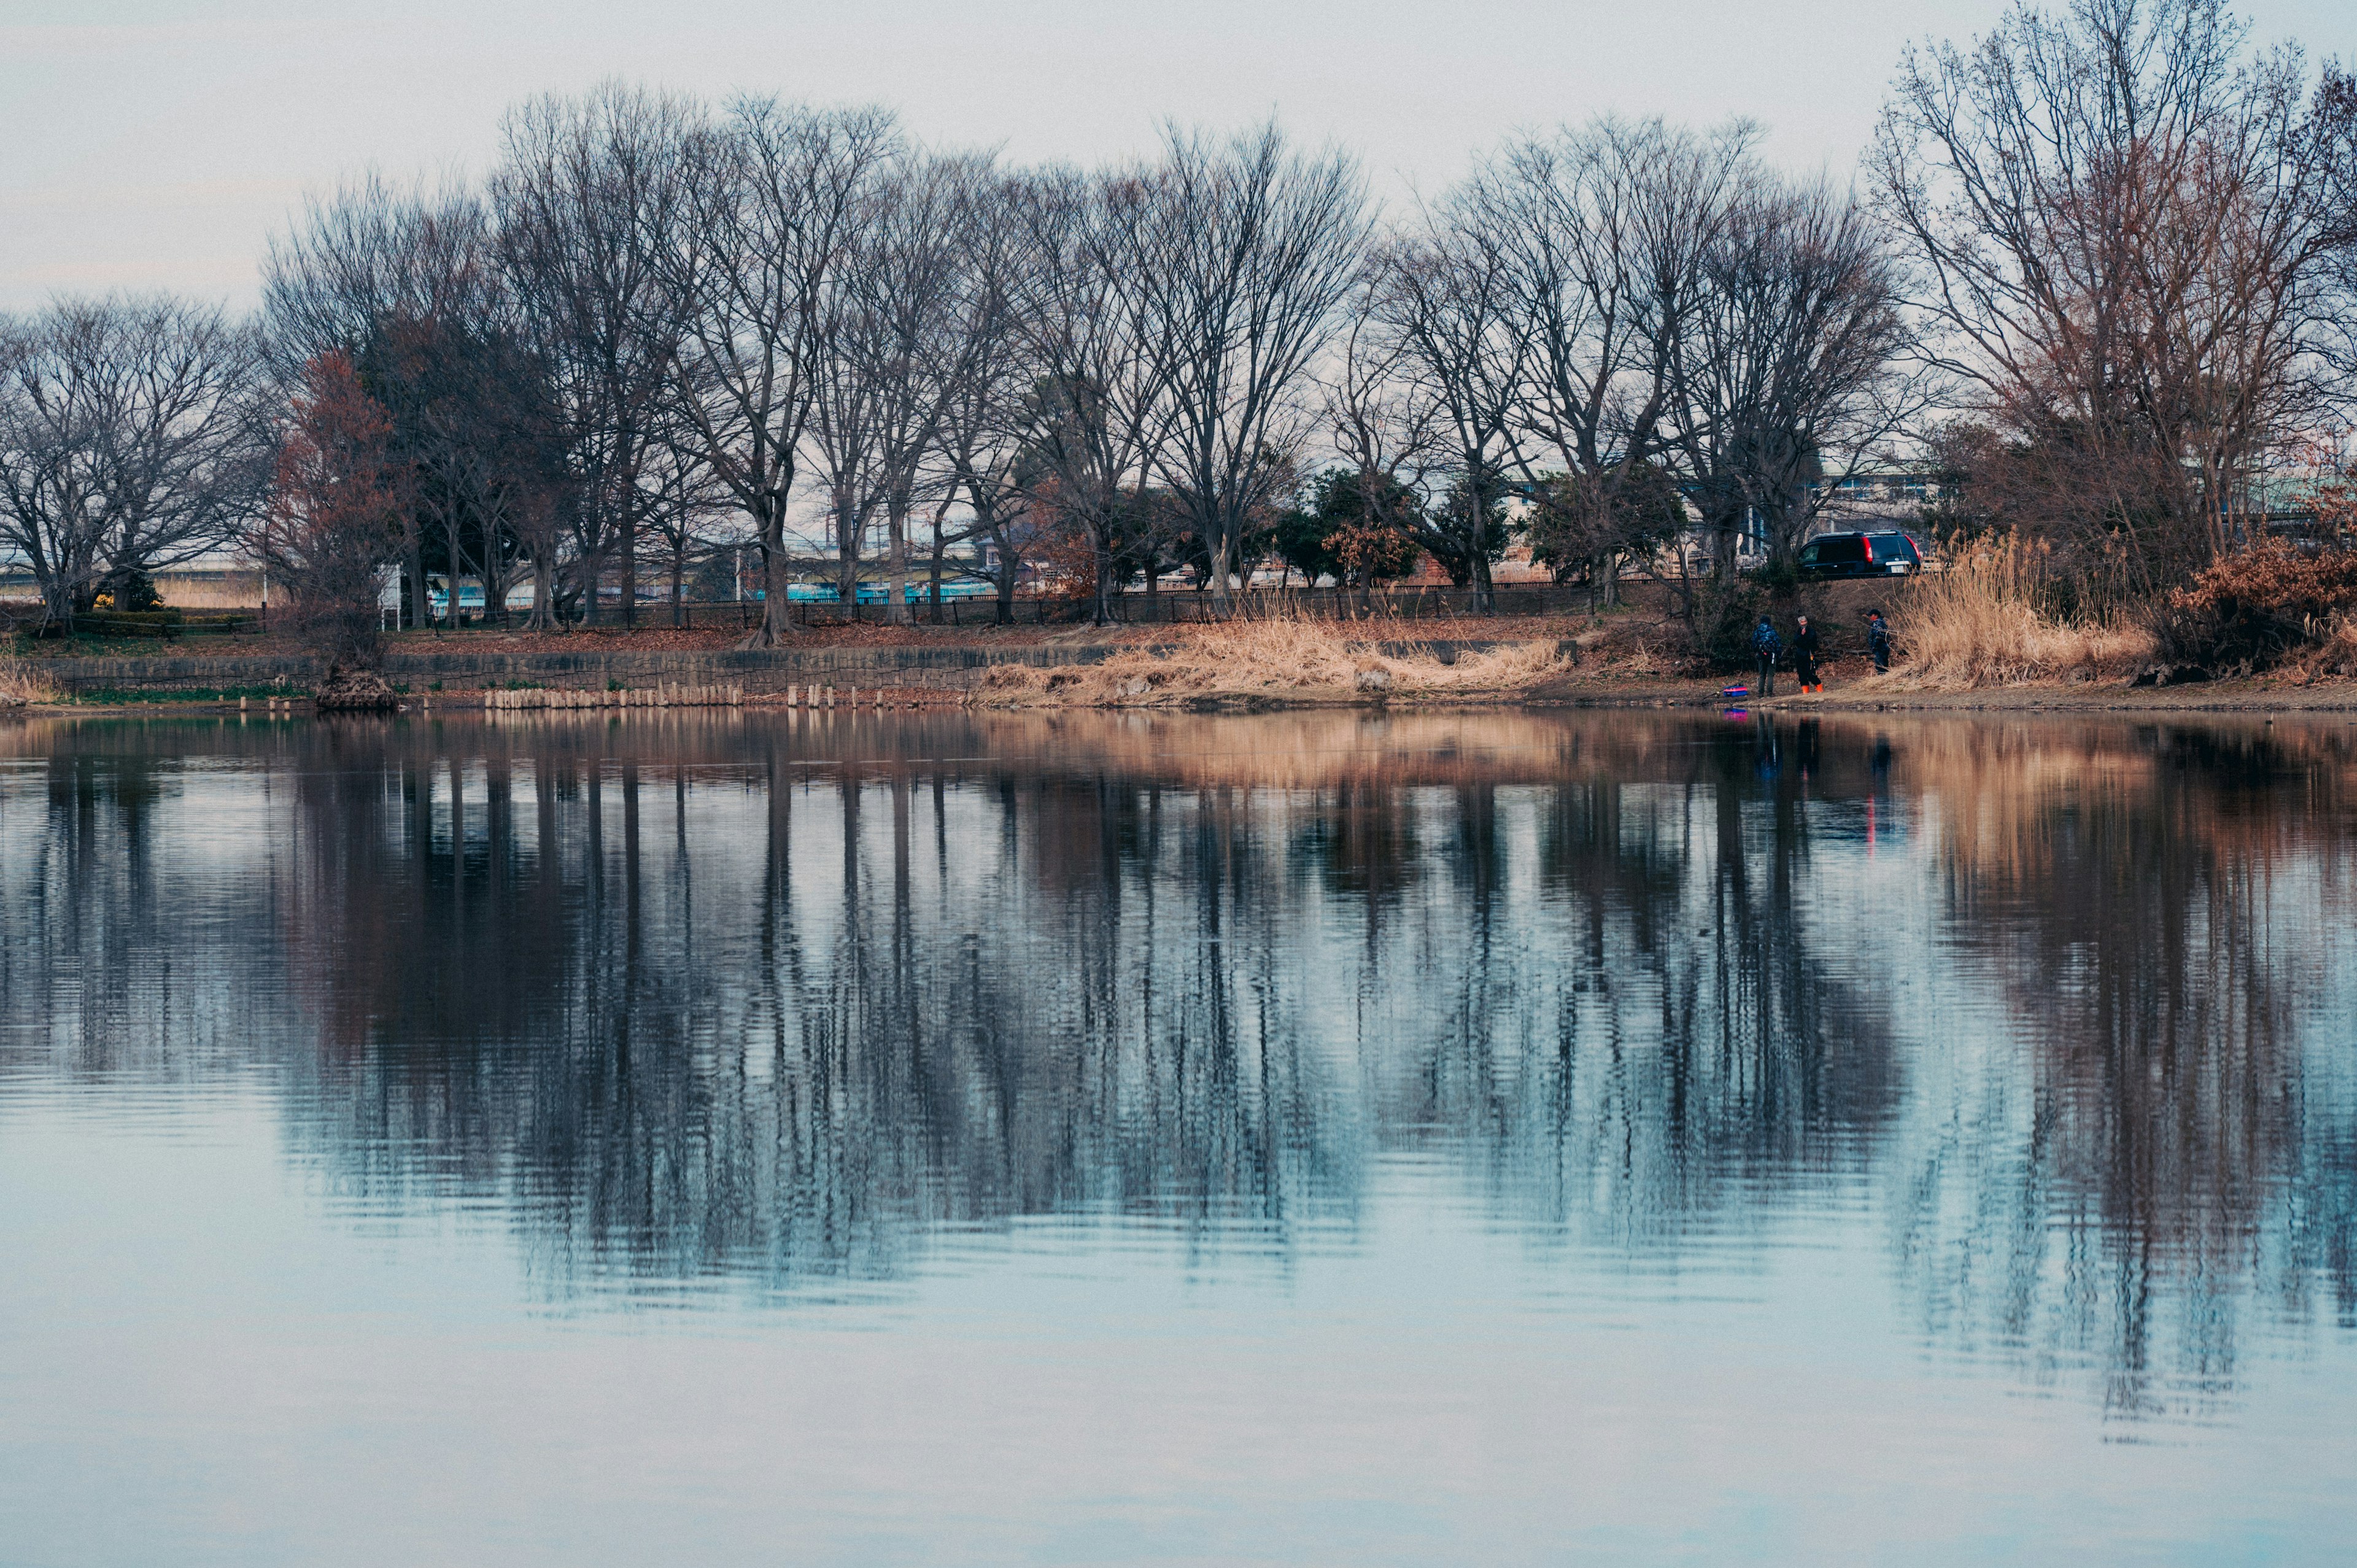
(417, 608)
(544, 594)
(58, 602)
(896, 522)
(777, 623)
(458, 565)
(1485, 587)
(631, 550)
(846, 553)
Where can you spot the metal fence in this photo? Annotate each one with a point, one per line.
(1181, 606)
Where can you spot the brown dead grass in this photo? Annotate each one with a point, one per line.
(2333, 657)
(1294, 660)
(21, 685)
(1978, 623)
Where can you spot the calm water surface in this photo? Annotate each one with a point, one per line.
(707, 1138)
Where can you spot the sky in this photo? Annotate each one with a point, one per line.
(158, 143)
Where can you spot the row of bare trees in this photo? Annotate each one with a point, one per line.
(2102, 267)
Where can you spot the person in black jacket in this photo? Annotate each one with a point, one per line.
(1804, 656)
(1766, 648)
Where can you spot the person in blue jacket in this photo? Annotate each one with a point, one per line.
(1766, 648)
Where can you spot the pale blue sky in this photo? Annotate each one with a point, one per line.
(158, 143)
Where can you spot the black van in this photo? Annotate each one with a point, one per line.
(1891, 554)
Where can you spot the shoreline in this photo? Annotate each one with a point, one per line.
(1522, 662)
(2239, 697)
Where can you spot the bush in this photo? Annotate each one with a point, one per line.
(1726, 612)
(2259, 605)
(129, 592)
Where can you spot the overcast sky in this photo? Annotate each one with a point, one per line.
(161, 146)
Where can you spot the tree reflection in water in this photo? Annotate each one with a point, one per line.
(701, 997)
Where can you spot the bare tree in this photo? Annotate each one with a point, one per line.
(369, 253)
(846, 412)
(1606, 233)
(131, 441)
(914, 343)
(1090, 408)
(778, 194)
(1239, 257)
(2123, 227)
(591, 197)
(683, 502)
(1387, 427)
(981, 442)
(1446, 301)
(1791, 375)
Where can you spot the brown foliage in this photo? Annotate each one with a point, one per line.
(337, 512)
(1374, 551)
(2256, 605)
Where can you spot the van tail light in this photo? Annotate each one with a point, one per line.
(1870, 550)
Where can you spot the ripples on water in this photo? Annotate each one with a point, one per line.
(2021, 1049)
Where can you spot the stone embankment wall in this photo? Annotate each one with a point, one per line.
(754, 671)
(952, 668)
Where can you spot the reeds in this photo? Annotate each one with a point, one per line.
(21, 685)
(1983, 621)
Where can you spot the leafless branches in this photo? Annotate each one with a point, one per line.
(130, 441)
(2128, 240)
(1793, 374)
(594, 197)
(776, 197)
(1239, 255)
(2124, 231)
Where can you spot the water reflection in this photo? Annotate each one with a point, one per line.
(707, 1000)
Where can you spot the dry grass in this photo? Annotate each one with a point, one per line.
(1296, 659)
(1979, 623)
(21, 685)
(2335, 655)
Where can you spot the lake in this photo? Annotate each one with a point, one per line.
(703, 1136)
